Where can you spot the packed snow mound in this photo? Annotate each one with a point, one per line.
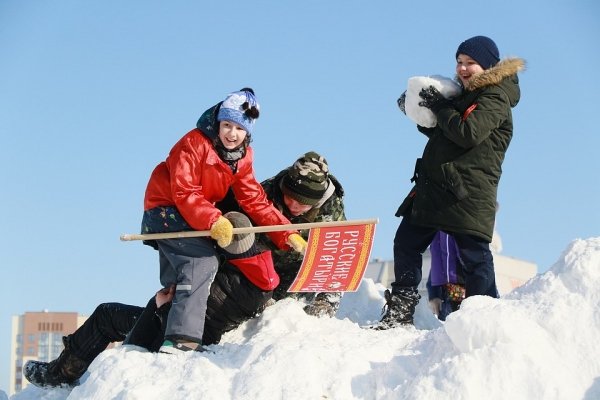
(423, 115)
(538, 342)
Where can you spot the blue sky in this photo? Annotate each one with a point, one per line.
(94, 94)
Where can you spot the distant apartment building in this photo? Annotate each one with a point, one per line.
(38, 336)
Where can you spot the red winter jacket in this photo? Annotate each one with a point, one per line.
(193, 178)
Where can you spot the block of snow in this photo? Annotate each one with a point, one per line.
(422, 115)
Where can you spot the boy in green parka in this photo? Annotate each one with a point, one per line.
(457, 176)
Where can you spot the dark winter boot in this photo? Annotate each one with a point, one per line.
(324, 304)
(64, 371)
(399, 308)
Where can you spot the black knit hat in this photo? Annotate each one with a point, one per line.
(481, 49)
(243, 244)
(307, 180)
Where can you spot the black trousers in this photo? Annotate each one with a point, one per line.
(110, 322)
(476, 259)
(233, 299)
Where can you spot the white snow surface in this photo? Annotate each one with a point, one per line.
(422, 115)
(538, 342)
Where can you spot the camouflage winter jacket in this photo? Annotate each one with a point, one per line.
(459, 172)
(331, 208)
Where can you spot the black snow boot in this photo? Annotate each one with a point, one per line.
(64, 371)
(399, 308)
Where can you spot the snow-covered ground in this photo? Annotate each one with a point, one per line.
(539, 342)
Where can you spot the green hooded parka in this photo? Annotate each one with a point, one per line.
(457, 177)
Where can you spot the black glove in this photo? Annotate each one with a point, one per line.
(401, 100)
(433, 99)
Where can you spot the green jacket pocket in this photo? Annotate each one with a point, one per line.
(453, 181)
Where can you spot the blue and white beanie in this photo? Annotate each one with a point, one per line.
(240, 108)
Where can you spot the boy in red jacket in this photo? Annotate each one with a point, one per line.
(181, 195)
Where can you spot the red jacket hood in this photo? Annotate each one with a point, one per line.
(259, 270)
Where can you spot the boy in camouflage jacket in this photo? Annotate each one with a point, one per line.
(304, 192)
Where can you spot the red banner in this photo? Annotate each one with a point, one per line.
(336, 259)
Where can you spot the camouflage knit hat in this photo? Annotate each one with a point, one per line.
(306, 181)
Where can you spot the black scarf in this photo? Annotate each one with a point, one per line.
(230, 157)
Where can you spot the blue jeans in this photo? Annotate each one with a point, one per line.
(477, 261)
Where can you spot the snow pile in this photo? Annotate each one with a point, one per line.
(539, 342)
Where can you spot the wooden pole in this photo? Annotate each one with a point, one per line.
(250, 229)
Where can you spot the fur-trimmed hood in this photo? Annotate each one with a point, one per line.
(493, 76)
